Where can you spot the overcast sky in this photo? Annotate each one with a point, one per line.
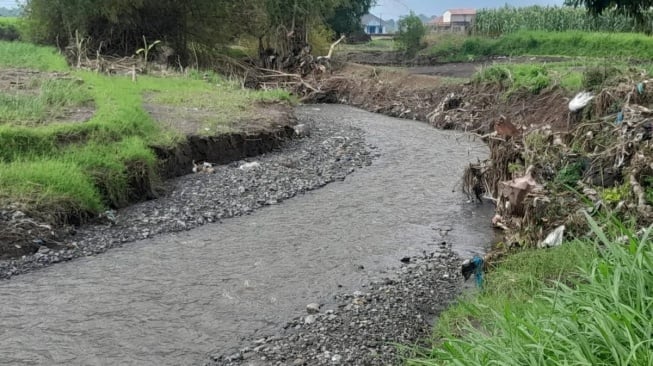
(9, 4)
(387, 9)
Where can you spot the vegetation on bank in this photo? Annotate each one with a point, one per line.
(10, 29)
(508, 19)
(59, 169)
(453, 47)
(191, 31)
(587, 302)
(573, 75)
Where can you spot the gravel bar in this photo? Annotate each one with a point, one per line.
(363, 328)
(326, 153)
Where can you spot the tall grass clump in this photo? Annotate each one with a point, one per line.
(596, 310)
(508, 19)
(530, 77)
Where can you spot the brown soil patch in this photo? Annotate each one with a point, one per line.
(264, 117)
(26, 82)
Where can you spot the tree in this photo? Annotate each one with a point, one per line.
(118, 26)
(635, 8)
(411, 31)
(346, 18)
(189, 27)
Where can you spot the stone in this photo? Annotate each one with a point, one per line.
(313, 308)
(311, 319)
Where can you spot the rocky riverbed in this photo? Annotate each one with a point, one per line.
(327, 153)
(187, 297)
(364, 327)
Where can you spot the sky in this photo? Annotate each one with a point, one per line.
(9, 4)
(393, 9)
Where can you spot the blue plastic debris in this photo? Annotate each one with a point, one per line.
(620, 118)
(478, 274)
(640, 88)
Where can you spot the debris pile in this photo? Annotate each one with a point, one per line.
(601, 164)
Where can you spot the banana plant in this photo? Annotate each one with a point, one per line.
(146, 50)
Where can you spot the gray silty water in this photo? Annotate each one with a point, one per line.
(173, 299)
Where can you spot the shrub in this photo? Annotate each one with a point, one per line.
(411, 31)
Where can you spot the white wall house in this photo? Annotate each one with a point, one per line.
(373, 24)
(458, 19)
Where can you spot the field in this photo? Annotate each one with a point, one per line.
(73, 142)
(453, 47)
(495, 22)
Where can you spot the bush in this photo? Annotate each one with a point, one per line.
(411, 31)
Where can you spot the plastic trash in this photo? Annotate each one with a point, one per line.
(581, 100)
(554, 239)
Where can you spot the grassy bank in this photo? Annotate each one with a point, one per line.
(539, 43)
(11, 29)
(57, 167)
(573, 75)
(587, 302)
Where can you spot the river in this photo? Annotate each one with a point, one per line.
(172, 299)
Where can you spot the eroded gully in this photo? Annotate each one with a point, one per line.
(173, 299)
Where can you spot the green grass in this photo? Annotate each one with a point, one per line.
(539, 43)
(53, 96)
(573, 75)
(58, 170)
(30, 56)
(382, 44)
(56, 188)
(587, 302)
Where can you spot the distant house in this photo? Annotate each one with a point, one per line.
(455, 20)
(438, 23)
(373, 24)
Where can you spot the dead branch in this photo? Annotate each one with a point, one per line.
(333, 46)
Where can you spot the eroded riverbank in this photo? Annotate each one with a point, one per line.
(176, 297)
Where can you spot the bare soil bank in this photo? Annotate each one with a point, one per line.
(432, 99)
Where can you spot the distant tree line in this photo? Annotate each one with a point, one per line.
(4, 12)
(118, 26)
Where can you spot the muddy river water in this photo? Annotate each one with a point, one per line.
(173, 299)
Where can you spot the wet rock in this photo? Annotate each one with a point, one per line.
(313, 308)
